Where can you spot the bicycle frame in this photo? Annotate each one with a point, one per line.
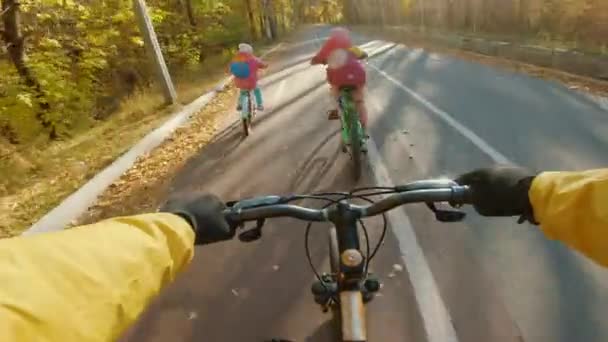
(352, 130)
(351, 276)
(347, 108)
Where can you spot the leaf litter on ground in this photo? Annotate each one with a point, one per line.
(144, 186)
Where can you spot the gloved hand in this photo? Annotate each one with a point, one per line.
(500, 191)
(204, 213)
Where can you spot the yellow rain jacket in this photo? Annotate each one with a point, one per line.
(88, 283)
(573, 207)
(91, 283)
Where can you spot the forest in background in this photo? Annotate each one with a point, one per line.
(581, 22)
(67, 63)
(77, 88)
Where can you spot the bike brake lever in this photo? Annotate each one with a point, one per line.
(442, 215)
(253, 234)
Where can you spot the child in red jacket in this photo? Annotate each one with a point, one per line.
(244, 67)
(344, 69)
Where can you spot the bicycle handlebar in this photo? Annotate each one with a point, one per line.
(428, 191)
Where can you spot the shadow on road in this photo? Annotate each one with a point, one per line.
(313, 168)
(567, 284)
(327, 332)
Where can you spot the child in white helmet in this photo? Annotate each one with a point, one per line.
(244, 67)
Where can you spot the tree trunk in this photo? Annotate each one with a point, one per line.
(16, 51)
(262, 23)
(271, 19)
(524, 23)
(251, 20)
(449, 15)
(190, 12)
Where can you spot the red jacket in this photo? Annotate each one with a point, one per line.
(255, 64)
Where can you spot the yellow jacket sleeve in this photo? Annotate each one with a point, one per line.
(573, 207)
(88, 283)
(358, 52)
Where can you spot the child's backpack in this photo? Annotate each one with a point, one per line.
(344, 69)
(240, 69)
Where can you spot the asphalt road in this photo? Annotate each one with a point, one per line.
(430, 115)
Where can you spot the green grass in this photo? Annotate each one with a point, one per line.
(37, 177)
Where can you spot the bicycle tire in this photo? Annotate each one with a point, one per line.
(246, 120)
(251, 110)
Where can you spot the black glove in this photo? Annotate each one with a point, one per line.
(204, 213)
(500, 191)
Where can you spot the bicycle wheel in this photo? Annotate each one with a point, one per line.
(252, 109)
(245, 122)
(246, 116)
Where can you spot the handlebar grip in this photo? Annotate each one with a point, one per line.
(462, 195)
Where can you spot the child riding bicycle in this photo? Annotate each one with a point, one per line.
(244, 67)
(344, 69)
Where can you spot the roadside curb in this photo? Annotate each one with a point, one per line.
(79, 201)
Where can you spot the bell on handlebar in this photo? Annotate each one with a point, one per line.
(254, 233)
(442, 215)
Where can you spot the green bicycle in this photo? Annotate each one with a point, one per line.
(353, 136)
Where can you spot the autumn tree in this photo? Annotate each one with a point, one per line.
(15, 46)
(69, 63)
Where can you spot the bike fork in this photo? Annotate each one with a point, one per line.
(352, 316)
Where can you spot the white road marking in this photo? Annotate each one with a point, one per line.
(436, 317)
(447, 118)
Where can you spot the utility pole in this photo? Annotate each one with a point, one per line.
(153, 48)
